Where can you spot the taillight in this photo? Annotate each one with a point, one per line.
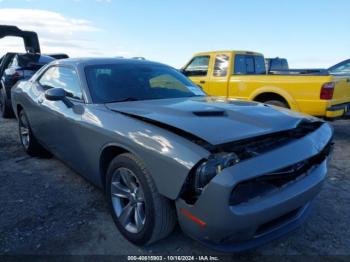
(327, 91)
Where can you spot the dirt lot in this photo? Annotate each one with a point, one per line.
(46, 208)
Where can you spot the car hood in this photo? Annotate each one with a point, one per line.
(215, 120)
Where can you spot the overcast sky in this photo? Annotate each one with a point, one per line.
(308, 33)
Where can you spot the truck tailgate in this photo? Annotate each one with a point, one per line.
(341, 90)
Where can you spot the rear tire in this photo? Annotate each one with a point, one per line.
(28, 141)
(158, 213)
(5, 108)
(277, 103)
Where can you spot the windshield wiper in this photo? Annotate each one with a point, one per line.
(126, 100)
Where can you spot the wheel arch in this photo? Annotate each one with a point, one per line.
(17, 109)
(108, 153)
(169, 183)
(275, 92)
(263, 97)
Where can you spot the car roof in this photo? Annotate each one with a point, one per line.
(86, 61)
(241, 52)
(10, 55)
(34, 55)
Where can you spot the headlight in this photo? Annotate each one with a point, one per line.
(210, 168)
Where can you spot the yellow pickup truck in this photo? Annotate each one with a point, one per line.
(242, 75)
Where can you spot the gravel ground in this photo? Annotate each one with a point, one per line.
(47, 209)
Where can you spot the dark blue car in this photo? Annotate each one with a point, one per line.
(20, 66)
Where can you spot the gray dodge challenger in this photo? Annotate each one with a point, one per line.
(234, 174)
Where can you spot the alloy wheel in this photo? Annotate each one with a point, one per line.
(128, 200)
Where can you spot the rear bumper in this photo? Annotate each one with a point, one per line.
(234, 228)
(338, 110)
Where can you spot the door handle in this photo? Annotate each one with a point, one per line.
(40, 100)
(202, 82)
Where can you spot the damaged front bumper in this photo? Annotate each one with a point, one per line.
(232, 225)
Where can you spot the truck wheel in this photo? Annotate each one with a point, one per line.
(28, 141)
(141, 214)
(5, 108)
(277, 103)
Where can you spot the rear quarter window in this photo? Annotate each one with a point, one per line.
(240, 65)
(249, 65)
(259, 63)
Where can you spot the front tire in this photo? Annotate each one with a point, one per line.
(141, 214)
(28, 141)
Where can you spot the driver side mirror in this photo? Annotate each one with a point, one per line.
(55, 94)
(58, 94)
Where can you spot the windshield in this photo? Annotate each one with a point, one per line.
(137, 81)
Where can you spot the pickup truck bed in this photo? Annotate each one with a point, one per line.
(309, 72)
(301, 92)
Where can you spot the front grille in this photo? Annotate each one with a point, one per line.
(265, 184)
